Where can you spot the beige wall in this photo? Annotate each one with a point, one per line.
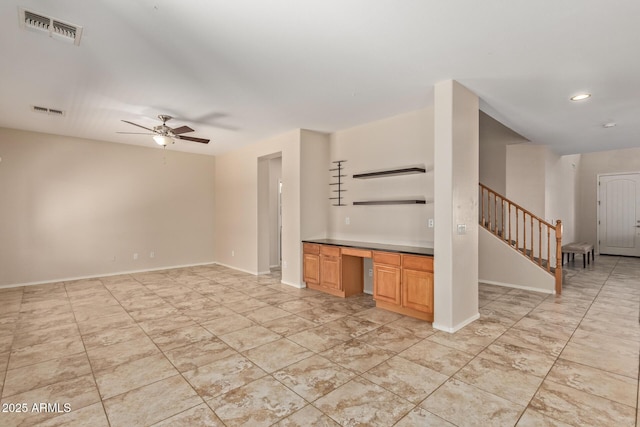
(501, 265)
(236, 189)
(545, 184)
(561, 192)
(494, 139)
(456, 130)
(71, 206)
(240, 226)
(526, 170)
(592, 164)
(314, 206)
(403, 140)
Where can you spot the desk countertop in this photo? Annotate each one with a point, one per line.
(415, 250)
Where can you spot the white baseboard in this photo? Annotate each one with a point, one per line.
(295, 285)
(458, 326)
(511, 285)
(255, 273)
(96, 276)
(69, 279)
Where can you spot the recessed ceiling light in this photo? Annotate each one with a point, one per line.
(609, 125)
(580, 96)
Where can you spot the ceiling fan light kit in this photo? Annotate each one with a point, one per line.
(163, 140)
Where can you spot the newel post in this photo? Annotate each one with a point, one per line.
(558, 257)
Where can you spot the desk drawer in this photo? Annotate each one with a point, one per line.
(310, 248)
(420, 263)
(388, 258)
(330, 250)
(362, 253)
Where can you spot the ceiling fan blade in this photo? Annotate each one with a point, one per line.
(131, 123)
(190, 138)
(136, 133)
(182, 129)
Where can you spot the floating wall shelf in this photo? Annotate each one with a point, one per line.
(392, 202)
(390, 172)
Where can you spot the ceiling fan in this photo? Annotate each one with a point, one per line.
(164, 135)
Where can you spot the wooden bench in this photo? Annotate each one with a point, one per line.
(586, 249)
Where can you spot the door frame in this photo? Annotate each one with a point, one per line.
(280, 222)
(598, 176)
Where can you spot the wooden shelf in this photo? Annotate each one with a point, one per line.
(392, 202)
(390, 172)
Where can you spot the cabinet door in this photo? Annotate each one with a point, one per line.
(386, 283)
(311, 269)
(417, 290)
(330, 272)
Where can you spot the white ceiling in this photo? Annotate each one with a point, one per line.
(239, 71)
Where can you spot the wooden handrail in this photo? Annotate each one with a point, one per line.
(497, 218)
(517, 205)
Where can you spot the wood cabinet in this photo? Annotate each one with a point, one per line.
(386, 277)
(311, 263)
(404, 284)
(330, 270)
(322, 268)
(417, 290)
(386, 280)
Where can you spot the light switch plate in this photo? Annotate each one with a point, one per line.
(462, 228)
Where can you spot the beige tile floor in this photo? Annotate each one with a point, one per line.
(210, 346)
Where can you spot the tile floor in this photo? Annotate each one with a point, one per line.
(210, 346)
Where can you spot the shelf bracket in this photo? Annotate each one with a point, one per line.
(338, 168)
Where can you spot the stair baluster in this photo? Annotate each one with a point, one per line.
(499, 222)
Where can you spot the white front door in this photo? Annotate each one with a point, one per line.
(619, 199)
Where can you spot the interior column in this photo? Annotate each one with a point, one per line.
(456, 172)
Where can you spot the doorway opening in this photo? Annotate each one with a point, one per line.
(269, 213)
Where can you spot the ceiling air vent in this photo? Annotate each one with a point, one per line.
(49, 111)
(55, 28)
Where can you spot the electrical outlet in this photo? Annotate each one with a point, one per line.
(233, 253)
(284, 264)
(430, 223)
(371, 272)
(462, 228)
(347, 220)
(152, 254)
(135, 256)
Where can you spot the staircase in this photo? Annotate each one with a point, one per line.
(526, 233)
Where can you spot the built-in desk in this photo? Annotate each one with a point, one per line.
(402, 275)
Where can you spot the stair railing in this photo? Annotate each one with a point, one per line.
(530, 235)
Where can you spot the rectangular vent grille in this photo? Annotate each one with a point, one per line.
(34, 20)
(49, 111)
(64, 29)
(54, 27)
